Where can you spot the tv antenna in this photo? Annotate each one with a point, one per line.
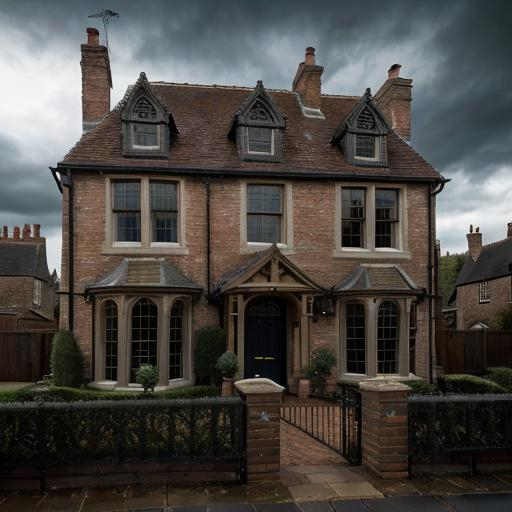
(106, 16)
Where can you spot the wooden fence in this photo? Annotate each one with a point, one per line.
(473, 351)
(24, 356)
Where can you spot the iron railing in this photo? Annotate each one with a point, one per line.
(191, 430)
(352, 424)
(467, 424)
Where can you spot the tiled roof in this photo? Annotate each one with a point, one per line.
(23, 259)
(145, 272)
(377, 278)
(203, 115)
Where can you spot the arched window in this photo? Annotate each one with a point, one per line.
(144, 335)
(355, 338)
(387, 338)
(110, 338)
(412, 338)
(176, 338)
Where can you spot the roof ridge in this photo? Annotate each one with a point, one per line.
(495, 243)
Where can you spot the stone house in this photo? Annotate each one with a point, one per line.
(484, 285)
(292, 218)
(27, 290)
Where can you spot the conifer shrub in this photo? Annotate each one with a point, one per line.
(210, 344)
(66, 361)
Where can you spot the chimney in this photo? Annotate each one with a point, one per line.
(16, 233)
(37, 231)
(394, 101)
(474, 242)
(26, 231)
(5, 233)
(96, 81)
(308, 82)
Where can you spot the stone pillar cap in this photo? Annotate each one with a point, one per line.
(249, 386)
(383, 385)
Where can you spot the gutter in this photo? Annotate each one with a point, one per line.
(54, 172)
(206, 182)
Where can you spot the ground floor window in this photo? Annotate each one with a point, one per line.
(355, 338)
(387, 338)
(144, 335)
(110, 340)
(176, 341)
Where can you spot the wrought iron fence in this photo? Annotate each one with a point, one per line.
(448, 424)
(352, 424)
(195, 430)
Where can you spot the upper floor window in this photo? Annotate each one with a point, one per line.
(386, 217)
(483, 292)
(126, 211)
(36, 293)
(265, 213)
(353, 217)
(365, 147)
(146, 136)
(164, 211)
(260, 140)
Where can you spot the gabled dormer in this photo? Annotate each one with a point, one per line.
(362, 134)
(257, 128)
(147, 124)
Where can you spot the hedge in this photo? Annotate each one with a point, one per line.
(502, 377)
(470, 384)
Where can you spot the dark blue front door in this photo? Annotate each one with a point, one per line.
(265, 339)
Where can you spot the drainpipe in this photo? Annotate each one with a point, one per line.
(436, 188)
(206, 182)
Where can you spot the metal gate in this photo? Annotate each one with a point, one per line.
(336, 423)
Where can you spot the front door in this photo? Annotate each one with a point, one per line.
(265, 339)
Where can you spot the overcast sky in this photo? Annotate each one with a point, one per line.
(458, 54)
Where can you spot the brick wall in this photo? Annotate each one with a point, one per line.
(470, 310)
(16, 292)
(314, 242)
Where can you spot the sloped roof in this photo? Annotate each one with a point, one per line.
(145, 272)
(203, 116)
(23, 259)
(377, 278)
(494, 261)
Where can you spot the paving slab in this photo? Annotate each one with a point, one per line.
(356, 490)
(276, 507)
(479, 502)
(312, 492)
(189, 509)
(145, 497)
(20, 503)
(103, 501)
(186, 497)
(230, 507)
(406, 504)
(345, 476)
(61, 502)
(316, 506)
(349, 506)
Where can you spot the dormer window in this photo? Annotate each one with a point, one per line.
(362, 134)
(257, 128)
(147, 125)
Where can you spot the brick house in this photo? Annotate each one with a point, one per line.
(484, 285)
(27, 290)
(293, 219)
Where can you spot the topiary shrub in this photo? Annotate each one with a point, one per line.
(322, 362)
(502, 377)
(147, 377)
(210, 343)
(66, 361)
(227, 365)
(470, 384)
(419, 386)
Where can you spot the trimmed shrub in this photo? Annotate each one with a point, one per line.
(147, 377)
(502, 377)
(322, 362)
(227, 365)
(66, 361)
(209, 346)
(419, 386)
(470, 384)
(503, 320)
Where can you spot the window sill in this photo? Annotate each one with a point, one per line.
(252, 247)
(173, 249)
(352, 252)
(484, 301)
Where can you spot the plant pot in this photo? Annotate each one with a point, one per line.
(227, 386)
(304, 388)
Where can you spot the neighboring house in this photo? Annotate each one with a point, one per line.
(27, 290)
(293, 219)
(484, 284)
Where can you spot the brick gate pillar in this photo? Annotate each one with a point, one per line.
(263, 399)
(385, 441)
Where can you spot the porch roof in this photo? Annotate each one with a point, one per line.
(378, 278)
(151, 273)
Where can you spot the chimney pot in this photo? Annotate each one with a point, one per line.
(308, 81)
(310, 56)
(26, 231)
(474, 243)
(37, 231)
(5, 233)
(394, 71)
(509, 230)
(16, 233)
(93, 36)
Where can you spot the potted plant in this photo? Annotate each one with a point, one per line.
(322, 362)
(304, 384)
(227, 365)
(147, 377)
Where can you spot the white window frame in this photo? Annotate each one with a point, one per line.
(483, 292)
(377, 148)
(137, 146)
(286, 244)
(145, 246)
(369, 250)
(272, 141)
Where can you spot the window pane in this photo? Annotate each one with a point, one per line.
(365, 146)
(145, 135)
(264, 228)
(165, 227)
(386, 217)
(353, 214)
(110, 340)
(355, 339)
(144, 335)
(264, 198)
(126, 195)
(260, 140)
(163, 196)
(387, 338)
(176, 341)
(127, 227)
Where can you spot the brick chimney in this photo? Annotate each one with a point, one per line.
(509, 230)
(27, 234)
(394, 101)
(308, 81)
(474, 242)
(96, 81)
